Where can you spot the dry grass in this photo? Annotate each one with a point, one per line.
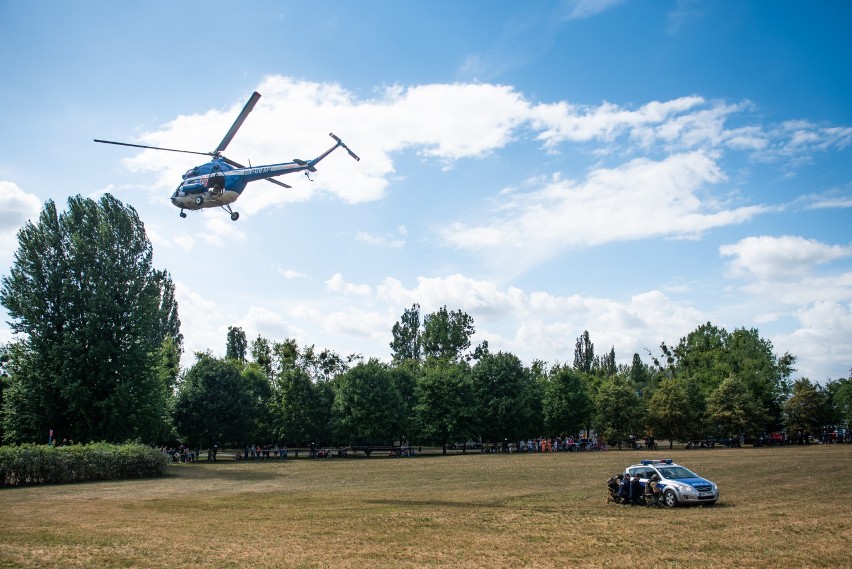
(787, 507)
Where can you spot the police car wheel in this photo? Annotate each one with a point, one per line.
(670, 499)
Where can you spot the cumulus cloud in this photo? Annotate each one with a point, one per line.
(641, 199)
(16, 208)
(822, 339)
(290, 274)
(337, 284)
(202, 316)
(387, 241)
(782, 258)
(531, 324)
(450, 122)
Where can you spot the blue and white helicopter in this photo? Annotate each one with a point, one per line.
(221, 181)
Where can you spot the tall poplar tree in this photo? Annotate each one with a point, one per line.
(93, 316)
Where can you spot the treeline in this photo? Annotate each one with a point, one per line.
(99, 348)
(436, 390)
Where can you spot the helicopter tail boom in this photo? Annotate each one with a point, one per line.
(312, 163)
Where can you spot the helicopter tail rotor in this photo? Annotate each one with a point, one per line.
(340, 143)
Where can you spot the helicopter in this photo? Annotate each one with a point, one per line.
(221, 181)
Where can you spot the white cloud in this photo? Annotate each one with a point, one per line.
(269, 324)
(822, 340)
(545, 326)
(783, 258)
(450, 122)
(638, 200)
(289, 274)
(337, 284)
(220, 231)
(392, 242)
(832, 199)
(16, 208)
(581, 9)
(201, 316)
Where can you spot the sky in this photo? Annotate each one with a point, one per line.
(634, 169)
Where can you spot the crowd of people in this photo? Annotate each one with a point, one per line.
(254, 452)
(560, 444)
(181, 453)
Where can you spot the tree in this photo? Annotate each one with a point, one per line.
(670, 415)
(261, 354)
(446, 335)
(296, 408)
(605, 365)
(584, 353)
(5, 360)
(367, 404)
(446, 407)
(807, 408)
(406, 336)
(405, 378)
(708, 355)
(618, 413)
(840, 400)
(733, 411)
(504, 389)
(93, 315)
(257, 383)
(237, 344)
(766, 376)
(567, 403)
(641, 376)
(214, 404)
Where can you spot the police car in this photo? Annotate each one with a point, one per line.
(678, 484)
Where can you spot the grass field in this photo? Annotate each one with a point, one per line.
(780, 508)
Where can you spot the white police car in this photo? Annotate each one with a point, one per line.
(679, 485)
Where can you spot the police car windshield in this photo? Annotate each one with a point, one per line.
(676, 472)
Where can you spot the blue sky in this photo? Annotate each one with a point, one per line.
(633, 169)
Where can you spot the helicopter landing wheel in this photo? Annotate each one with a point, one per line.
(199, 200)
(183, 214)
(235, 215)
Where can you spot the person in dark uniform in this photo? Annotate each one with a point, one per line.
(613, 485)
(636, 490)
(624, 489)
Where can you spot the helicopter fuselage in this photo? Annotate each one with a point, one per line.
(217, 183)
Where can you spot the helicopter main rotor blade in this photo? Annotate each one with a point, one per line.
(238, 165)
(237, 123)
(277, 183)
(231, 162)
(153, 147)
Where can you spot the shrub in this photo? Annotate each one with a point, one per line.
(31, 464)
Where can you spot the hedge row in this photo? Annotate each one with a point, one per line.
(39, 464)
